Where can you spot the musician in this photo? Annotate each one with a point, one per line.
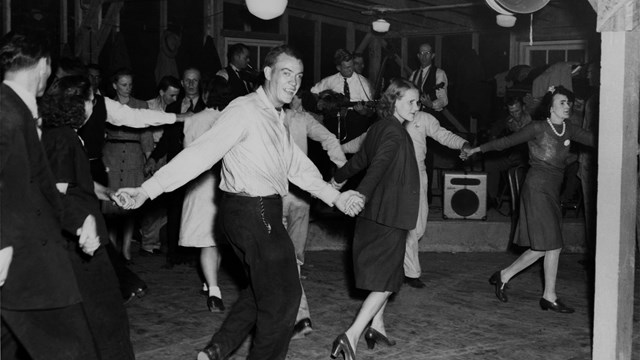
(235, 73)
(356, 88)
(431, 81)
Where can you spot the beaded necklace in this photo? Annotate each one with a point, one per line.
(559, 134)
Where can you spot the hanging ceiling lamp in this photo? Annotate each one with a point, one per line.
(380, 25)
(504, 18)
(266, 9)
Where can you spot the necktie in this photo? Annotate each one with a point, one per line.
(190, 109)
(347, 93)
(423, 73)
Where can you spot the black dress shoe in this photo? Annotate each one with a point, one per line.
(414, 282)
(341, 345)
(500, 287)
(302, 329)
(210, 352)
(373, 336)
(557, 306)
(215, 304)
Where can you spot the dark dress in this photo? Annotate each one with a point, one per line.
(96, 278)
(540, 222)
(391, 186)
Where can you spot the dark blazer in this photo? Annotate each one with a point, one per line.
(170, 143)
(392, 182)
(236, 83)
(40, 275)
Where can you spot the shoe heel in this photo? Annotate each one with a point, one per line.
(335, 351)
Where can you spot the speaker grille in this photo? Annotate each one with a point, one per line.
(465, 202)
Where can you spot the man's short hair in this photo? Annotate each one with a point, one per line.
(341, 56)
(191, 68)
(273, 54)
(512, 100)
(168, 81)
(235, 49)
(21, 51)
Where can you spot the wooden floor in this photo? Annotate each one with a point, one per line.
(455, 317)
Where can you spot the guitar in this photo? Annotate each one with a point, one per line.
(425, 99)
(329, 100)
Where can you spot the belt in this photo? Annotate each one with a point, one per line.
(123, 141)
(245, 195)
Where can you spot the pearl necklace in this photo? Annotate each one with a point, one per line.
(559, 134)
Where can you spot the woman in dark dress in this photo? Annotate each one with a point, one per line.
(540, 223)
(391, 188)
(64, 109)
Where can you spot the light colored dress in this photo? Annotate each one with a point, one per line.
(199, 207)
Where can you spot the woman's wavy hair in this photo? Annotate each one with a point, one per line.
(544, 109)
(219, 93)
(396, 89)
(63, 104)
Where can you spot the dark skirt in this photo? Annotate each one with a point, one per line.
(378, 255)
(540, 222)
(102, 303)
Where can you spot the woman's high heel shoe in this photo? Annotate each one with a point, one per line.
(500, 287)
(341, 345)
(373, 336)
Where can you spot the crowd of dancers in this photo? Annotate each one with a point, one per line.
(250, 143)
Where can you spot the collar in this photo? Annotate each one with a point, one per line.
(187, 99)
(234, 68)
(262, 95)
(25, 96)
(425, 68)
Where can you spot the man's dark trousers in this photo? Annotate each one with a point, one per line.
(254, 228)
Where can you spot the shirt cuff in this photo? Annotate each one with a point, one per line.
(153, 188)
(328, 195)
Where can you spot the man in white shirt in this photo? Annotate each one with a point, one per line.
(259, 158)
(355, 88)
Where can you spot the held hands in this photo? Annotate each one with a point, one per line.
(350, 202)
(467, 151)
(89, 241)
(130, 198)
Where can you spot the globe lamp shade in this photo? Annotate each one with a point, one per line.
(266, 9)
(380, 25)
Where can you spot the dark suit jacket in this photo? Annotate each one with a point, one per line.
(392, 182)
(170, 143)
(40, 275)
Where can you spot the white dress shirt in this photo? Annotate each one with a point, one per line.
(359, 86)
(259, 156)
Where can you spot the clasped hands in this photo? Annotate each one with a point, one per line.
(466, 151)
(350, 202)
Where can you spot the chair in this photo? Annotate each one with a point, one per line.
(515, 177)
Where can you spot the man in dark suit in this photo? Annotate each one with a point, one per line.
(236, 71)
(170, 144)
(42, 314)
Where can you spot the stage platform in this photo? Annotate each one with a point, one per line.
(330, 230)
